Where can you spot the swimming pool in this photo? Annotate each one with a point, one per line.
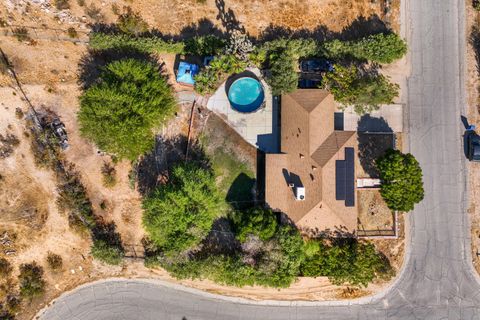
(246, 95)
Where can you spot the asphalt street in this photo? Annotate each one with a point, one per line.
(438, 281)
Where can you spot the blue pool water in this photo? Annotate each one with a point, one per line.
(246, 95)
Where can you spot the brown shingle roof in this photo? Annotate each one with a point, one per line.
(308, 143)
(331, 146)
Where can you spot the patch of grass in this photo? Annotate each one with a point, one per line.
(62, 4)
(94, 12)
(235, 177)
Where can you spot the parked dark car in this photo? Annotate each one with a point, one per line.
(309, 83)
(473, 146)
(316, 65)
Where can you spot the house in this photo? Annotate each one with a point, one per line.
(312, 179)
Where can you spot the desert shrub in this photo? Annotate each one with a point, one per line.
(81, 3)
(104, 252)
(8, 144)
(19, 113)
(107, 244)
(348, 262)
(146, 43)
(72, 33)
(12, 304)
(208, 80)
(45, 148)
(5, 268)
(121, 111)
(115, 9)
(476, 5)
(54, 261)
(109, 175)
(365, 92)
(131, 22)
(208, 45)
(62, 4)
(382, 48)
(180, 214)
(31, 280)
(73, 198)
(402, 185)
(22, 34)
(94, 12)
(255, 221)
(4, 65)
(239, 45)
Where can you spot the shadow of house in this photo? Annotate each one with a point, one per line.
(240, 195)
(375, 137)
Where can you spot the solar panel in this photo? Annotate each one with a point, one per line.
(349, 177)
(340, 172)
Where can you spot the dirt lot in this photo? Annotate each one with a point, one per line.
(50, 69)
(473, 116)
(373, 213)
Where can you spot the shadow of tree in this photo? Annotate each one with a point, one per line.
(220, 240)
(107, 232)
(359, 28)
(240, 194)
(227, 17)
(153, 168)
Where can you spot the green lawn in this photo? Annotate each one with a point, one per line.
(235, 176)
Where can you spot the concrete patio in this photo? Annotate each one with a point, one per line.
(259, 128)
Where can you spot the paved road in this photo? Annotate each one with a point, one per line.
(438, 281)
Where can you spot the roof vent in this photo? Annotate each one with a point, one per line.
(300, 193)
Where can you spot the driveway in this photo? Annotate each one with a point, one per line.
(438, 281)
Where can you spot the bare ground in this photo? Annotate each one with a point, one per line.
(50, 71)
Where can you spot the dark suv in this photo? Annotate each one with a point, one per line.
(473, 146)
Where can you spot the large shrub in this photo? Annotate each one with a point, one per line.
(255, 221)
(208, 45)
(402, 185)
(105, 252)
(31, 280)
(180, 214)
(131, 22)
(382, 48)
(121, 112)
(208, 80)
(283, 77)
(365, 92)
(146, 43)
(349, 262)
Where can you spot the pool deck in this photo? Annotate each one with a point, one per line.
(259, 128)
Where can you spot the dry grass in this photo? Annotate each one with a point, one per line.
(373, 213)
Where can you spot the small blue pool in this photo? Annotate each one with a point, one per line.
(246, 95)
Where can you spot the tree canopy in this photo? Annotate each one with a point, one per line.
(402, 185)
(382, 48)
(120, 112)
(31, 280)
(364, 92)
(180, 214)
(255, 221)
(350, 262)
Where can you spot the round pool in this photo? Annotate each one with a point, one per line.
(246, 95)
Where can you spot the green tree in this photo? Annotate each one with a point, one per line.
(255, 221)
(402, 185)
(382, 48)
(283, 77)
(131, 22)
(121, 111)
(31, 280)
(180, 214)
(364, 92)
